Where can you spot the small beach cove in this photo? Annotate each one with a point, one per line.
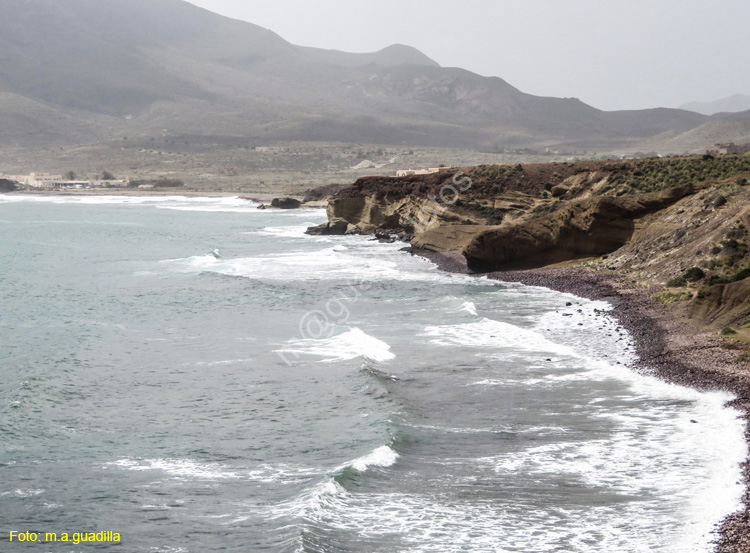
(668, 344)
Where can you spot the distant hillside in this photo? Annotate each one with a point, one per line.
(733, 104)
(109, 68)
(395, 55)
(696, 140)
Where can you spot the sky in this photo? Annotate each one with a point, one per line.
(612, 54)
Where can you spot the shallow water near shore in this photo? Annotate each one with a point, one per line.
(198, 375)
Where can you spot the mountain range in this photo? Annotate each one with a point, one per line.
(73, 71)
(732, 104)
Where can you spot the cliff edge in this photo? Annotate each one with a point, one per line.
(674, 225)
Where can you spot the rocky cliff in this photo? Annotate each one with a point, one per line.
(7, 186)
(585, 228)
(652, 220)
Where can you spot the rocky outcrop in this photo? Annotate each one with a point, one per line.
(334, 227)
(410, 213)
(586, 228)
(447, 238)
(636, 217)
(322, 192)
(285, 203)
(7, 186)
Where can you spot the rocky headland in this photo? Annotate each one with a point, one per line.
(666, 240)
(7, 186)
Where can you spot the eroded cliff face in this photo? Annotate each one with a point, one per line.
(648, 220)
(583, 228)
(410, 214)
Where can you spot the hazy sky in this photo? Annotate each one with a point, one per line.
(612, 54)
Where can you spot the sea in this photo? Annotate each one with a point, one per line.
(198, 375)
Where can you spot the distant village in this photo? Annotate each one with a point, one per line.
(729, 148)
(49, 181)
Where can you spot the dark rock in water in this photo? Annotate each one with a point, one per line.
(568, 304)
(7, 186)
(285, 203)
(262, 206)
(391, 235)
(387, 235)
(336, 227)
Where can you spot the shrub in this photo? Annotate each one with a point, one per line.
(667, 297)
(717, 279)
(742, 181)
(677, 282)
(694, 274)
(168, 183)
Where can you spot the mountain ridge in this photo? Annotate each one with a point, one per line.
(136, 66)
(732, 104)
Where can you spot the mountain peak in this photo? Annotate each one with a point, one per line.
(390, 56)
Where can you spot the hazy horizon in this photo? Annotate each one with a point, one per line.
(623, 55)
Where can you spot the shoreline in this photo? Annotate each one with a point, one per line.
(125, 192)
(669, 346)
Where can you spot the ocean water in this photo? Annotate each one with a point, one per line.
(198, 375)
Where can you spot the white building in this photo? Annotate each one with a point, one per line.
(46, 180)
(430, 171)
(38, 180)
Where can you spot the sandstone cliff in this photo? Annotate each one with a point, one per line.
(652, 221)
(584, 228)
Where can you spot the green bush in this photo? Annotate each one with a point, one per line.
(677, 282)
(694, 274)
(668, 297)
(742, 181)
(717, 279)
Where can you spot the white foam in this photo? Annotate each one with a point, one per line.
(218, 363)
(24, 493)
(383, 456)
(182, 203)
(289, 231)
(488, 333)
(311, 503)
(354, 258)
(350, 344)
(178, 468)
(189, 469)
(654, 453)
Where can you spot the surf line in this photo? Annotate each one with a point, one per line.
(320, 324)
